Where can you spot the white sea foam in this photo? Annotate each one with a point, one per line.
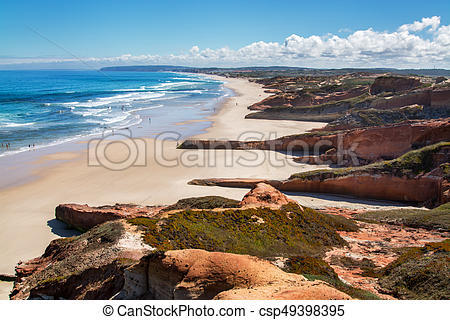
(13, 124)
(168, 85)
(89, 112)
(148, 108)
(142, 88)
(120, 98)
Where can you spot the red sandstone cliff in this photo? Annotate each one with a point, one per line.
(367, 144)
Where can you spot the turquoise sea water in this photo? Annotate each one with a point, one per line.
(50, 107)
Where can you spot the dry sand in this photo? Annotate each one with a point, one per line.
(27, 216)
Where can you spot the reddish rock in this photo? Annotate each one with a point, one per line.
(440, 98)
(345, 212)
(366, 144)
(391, 141)
(378, 186)
(378, 243)
(419, 97)
(393, 84)
(264, 195)
(84, 217)
(199, 274)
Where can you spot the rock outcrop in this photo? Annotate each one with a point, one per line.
(264, 195)
(198, 274)
(84, 217)
(90, 266)
(393, 84)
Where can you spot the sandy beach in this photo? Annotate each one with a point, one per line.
(27, 216)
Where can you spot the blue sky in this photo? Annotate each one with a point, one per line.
(159, 29)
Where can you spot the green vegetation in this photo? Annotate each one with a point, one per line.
(208, 202)
(307, 265)
(317, 269)
(340, 223)
(446, 170)
(419, 273)
(437, 218)
(353, 82)
(351, 263)
(262, 232)
(410, 164)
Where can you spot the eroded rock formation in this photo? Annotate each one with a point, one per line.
(84, 217)
(364, 145)
(393, 84)
(199, 274)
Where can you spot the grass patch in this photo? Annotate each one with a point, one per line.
(437, 218)
(208, 202)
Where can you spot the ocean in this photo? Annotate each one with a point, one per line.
(45, 108)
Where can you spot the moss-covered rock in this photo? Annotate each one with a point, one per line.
(262, 232)
(207, 202)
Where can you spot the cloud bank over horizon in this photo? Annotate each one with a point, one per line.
(421, 44)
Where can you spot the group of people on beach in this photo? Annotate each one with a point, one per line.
(7, 145)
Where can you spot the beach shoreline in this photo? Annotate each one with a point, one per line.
(28, 209)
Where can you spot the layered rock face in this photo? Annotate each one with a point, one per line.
(389, 142)
(380, 186)
(365, 145)
(393, 84)
(416, 177)
(300, 99)
(325, 100)
(432, 98)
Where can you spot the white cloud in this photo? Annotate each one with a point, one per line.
(402, 48)
(432, 22)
